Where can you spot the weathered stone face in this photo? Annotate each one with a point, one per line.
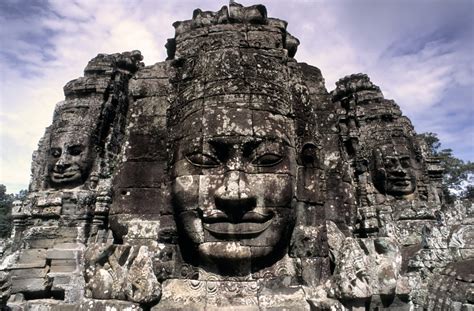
(233, 186)
(70, 159)
(394, 170)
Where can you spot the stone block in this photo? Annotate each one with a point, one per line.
(142, 229)
(141, 174)
(168, 233)
(68, 246)
(189, 294)
(148, 125)
(47, 305)
(145, 87)
(39, 243)
(31, 258)
(144, 147)
(29, 284)
(309, 242)
(61, 254)
(138, 201)
(64, 265)
(28, 273)
(283, 299)
(315, 271)
(111, 304)
(62, 278)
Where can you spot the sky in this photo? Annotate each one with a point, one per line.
(419, 52)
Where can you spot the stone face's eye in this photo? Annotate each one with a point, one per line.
(202, 160)
(56, 152)
(405, 162)
(390, 163)
(75, 150)
(268, 159)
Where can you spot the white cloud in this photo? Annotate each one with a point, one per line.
(51, 45)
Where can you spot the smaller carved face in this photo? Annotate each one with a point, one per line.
(70, 160)
(395, 170)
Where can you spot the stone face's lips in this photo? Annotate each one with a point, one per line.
(66, 175)
(400, 181)
(251, 224)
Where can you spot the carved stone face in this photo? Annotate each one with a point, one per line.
(70, 159)
(395, 170)
(233, 184)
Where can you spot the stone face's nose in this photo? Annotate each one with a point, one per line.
(62, 163)
(234, 196)
(398, 169)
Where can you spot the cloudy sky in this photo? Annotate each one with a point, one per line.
(419, 52)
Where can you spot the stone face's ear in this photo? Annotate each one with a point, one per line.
(309, 175)
(170, 48)
(291, 44)
(378, 170)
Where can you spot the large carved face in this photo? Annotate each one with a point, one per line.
(70, 159)
(395, 170)
(233, 184)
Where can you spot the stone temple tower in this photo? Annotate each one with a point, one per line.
(228, 178)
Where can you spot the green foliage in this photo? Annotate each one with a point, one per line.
(468, 193)
(6, 202)
(457, 173)
(5, 212)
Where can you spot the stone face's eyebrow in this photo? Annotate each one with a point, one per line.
(245, 141)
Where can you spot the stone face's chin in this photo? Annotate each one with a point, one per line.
(228, 250)
(227, 253)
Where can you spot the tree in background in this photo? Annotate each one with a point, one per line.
(5, 212)
(458, 175)
(6, 202)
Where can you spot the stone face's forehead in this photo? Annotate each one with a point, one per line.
(395, 150)
(70, 137)
(224, 121)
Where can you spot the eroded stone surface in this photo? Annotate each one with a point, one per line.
(228, 177)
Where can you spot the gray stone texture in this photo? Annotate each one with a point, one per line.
(228, 178)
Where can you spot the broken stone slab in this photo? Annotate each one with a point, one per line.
(100, 305)
(147, 87)
(293, 298)
(140, 229)
(63, 254)
(31, 258)
(38, 284)
(43, 304)
(64, 265)
(29, 273)
(190, 294)
(69, 246)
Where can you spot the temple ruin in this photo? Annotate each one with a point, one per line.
(227, 177)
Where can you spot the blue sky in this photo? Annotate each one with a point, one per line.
(419, 52)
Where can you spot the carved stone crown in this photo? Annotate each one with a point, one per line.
(233, 26)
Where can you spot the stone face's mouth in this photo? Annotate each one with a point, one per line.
(251, 224)
(400, 181)
(69, 174)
